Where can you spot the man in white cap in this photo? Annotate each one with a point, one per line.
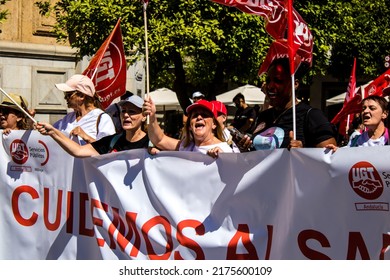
(197, 95)
(88, 122)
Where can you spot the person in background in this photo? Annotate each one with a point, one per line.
(114, 111)
(245, 115)
(356, 128)
(274, 126)
(202, 131)
(222, 118)
(133, 135)
(375, 111)
(12, 117)
(196, 96)
(88, 122)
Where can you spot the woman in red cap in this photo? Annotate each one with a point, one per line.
(202, 131)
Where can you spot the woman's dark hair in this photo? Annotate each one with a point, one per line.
(382, 103)
(356, 122)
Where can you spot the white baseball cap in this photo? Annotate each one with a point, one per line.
(197, 94)
(80, 83)
(134, 99)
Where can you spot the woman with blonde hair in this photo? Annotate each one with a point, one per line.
(202, 131)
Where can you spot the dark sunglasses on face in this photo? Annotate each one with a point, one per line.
(69, 94)
(130, 112)
(202, 113)
(6, 112)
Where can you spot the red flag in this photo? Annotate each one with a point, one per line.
(278, 49)
(351, 90)
(290, 37)
(107, 68)
(386, 89)
(275, 13)
(375, 87)
(352, 107)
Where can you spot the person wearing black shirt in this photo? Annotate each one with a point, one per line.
(274, 126)
(245, 115)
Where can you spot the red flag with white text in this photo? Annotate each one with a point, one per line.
(377, 86)
(275, 14)
(107, 68)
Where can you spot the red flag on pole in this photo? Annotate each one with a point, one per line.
(275, 13)
(290, 38)
(375, 87)
(107, 68)
(352, 107)
(351, 91)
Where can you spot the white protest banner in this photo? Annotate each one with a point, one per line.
(278, 205)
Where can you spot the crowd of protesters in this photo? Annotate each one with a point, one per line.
(89, 131)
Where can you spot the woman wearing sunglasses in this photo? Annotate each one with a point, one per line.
(202, 131)
(88, 122)
(11, 117)
(133, 135)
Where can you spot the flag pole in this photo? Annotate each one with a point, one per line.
(293, 106)
(146, 53)
(13, 101)
(291, 55)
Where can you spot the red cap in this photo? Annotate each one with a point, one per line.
(204, 104)
(220, 107)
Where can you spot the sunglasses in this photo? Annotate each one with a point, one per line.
(203, 113)
(6, 112)
(130, 111)
(69, 94)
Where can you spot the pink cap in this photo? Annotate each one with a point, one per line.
(220, 107)
(80, 83)
(204, 104)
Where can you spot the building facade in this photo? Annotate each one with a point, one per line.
(32, 61)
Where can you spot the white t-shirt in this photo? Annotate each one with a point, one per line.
(364, 140)
(88, 123)
(203, 149)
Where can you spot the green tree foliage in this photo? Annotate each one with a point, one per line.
(344, 29)
(199, 45)
(3, 13)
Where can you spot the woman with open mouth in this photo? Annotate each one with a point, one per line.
(202, 131)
